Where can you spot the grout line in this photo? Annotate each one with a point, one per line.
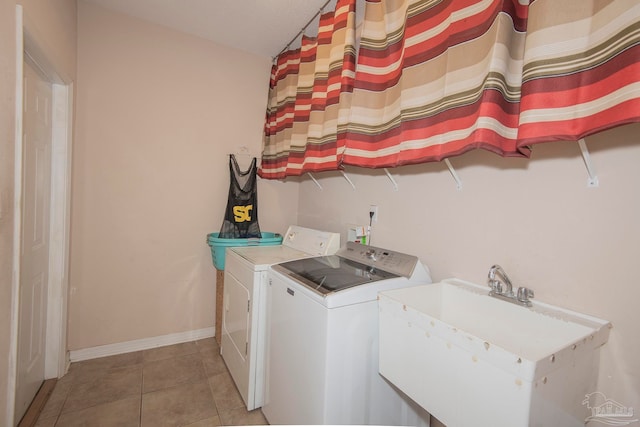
(140, 413)
(141, 390)
(64, 401)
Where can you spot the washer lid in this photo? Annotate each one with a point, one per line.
(328, 274)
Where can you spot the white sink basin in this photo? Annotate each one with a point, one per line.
(474, 360)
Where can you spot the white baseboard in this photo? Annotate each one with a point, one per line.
(137, 345)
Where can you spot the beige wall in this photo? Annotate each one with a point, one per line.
(577, 247)
(52, 24)
(158, 112)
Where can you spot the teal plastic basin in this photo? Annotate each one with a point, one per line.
(218, 246)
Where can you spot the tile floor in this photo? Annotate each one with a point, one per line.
(179, 385)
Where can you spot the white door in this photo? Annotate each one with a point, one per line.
(34, 261)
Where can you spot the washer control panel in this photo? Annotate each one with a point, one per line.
(384, 259)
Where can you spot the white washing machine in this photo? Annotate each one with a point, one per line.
(322, 341)
(243, 317)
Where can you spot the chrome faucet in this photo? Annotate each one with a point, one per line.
(521, 297)
(496, 284)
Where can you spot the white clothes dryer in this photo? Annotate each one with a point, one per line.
(243, 317)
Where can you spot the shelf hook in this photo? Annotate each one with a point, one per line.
(586, 157)
(348, 180)
(393, 181)
(315, 181)
(454, 174)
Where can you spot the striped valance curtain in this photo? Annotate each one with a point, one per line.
(581, 71)
(437, 78)
(307, 95)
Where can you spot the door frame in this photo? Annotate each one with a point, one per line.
(31, 47)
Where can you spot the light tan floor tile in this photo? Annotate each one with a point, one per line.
(242, 417)
(46, 422)
(120, 413)
(87, 370)
(213, 364)
(208, 345)
(169, 351)
(53, 407)
(178, 406)
(171, 372)
(96, 392)
(115, 384)
(209, 422)
(225, 393)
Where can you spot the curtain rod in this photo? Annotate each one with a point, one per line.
(303, 29)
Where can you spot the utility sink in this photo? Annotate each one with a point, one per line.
(474, 360)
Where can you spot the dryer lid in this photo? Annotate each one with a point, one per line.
(310, 241)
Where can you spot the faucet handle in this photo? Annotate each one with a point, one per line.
(524, 294)
(495, 286)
